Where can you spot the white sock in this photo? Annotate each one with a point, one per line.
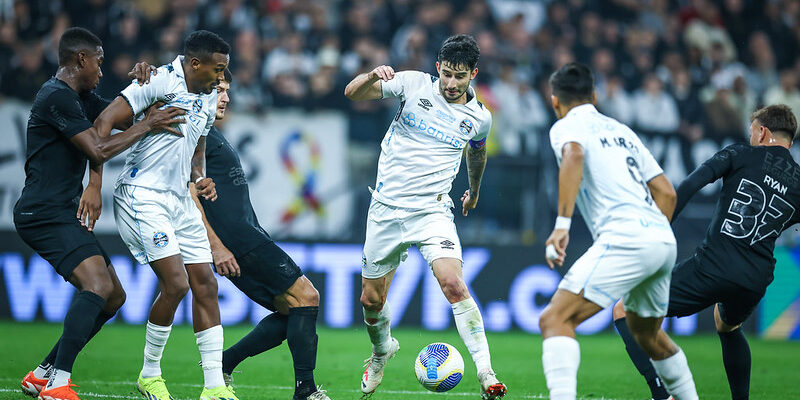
(561, 356)
(58, 378)
(380, 333)
(470, 327)
(674, 372)
(155, 338)
(210, 342)
(41, 373)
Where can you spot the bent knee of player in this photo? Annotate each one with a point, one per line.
(205, 291)
(100, 285)
(721, 325)
(309, 296)
(371, 300)
(116, 300)
(618, 311)
(175, 290)
(454, 289)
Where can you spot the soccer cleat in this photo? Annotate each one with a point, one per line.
(153, 388)
(218, 393)
(32, 385)
(60, 393)
(319, 394)
(668, 398)
(491, 388)
(373, 374)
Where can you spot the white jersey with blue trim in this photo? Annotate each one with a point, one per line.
(613, 198)
(421, 151)
(162, 161)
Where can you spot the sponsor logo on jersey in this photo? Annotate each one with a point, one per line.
(169, 97)
(410, 120)
(446, 244)
(465, 126)
(445, 116)
(425, 103)
(160, 239)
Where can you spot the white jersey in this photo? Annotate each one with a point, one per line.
(421, 152)
(162, 161)
(613, 198)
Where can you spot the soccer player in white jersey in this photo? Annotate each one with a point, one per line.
(420, 156)
(156, 215)
(626, 202)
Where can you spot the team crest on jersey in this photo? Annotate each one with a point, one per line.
(160, 239)
(465, 126)
(169, 97)
(426, 104)
(197, 106)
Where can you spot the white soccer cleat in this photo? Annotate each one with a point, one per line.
(373, 374)
(318, 395)
(491, 388)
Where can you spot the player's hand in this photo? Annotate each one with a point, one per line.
(164, 120)
(559, 239)
(142, 71)
(206, 188)
(383, 72)
(90, 206)
(225, 262)
(468, 202)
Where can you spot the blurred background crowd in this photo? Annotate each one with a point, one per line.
(683, 70)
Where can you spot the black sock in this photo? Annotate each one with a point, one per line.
(78, 326)
(98, 324)
(270, 332)
(641, 361)
(302, 338)
(736, 357)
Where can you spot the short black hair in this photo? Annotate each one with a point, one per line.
(202, 44)
(460, 50)
(72, 41)
(573, 84)
(778, 118)
(228, 76)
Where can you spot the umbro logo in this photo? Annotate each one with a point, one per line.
(169, 97)
(426, 104)
(446, 244)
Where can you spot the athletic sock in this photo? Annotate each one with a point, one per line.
(58, 378)
(677, 377)
(641, 361)
(44, 370)
(301, 336)
(470, 327)
(561, 356)
(269, 333)
(380, 333)
(78, 325)
(210, 342)
(736, 357)
(155, 338)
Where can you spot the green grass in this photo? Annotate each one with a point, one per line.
(110, 364)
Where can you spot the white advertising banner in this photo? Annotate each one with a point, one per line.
(295, 163)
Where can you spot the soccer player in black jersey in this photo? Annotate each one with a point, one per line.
(60, 140)
(246, 254)
(732, 268)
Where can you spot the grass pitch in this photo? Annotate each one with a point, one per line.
(109, 365)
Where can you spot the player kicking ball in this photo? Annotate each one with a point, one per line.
(246, 254)
(156, 216)
(626, 202)
(420, 156)
(733, 267)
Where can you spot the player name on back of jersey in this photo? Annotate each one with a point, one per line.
(619, 142)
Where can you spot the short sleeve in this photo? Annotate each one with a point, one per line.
(721, 162)
(403, 82)
(562, 133)
(64, 112)
(141, 97)
(94, 105)
(479, 140)
(211, 112)
(649, 166)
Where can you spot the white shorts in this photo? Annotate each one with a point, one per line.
(156, 224)
(392, 230)
(638, 273)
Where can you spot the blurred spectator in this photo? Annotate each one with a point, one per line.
(28, 72)
(520, 117)
(724, 121)
(654, 109)
(785, 92)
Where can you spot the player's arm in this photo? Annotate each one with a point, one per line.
(663, 194)
(368, 86)
(569, 181)
(476, 164)
(711, 170)
(224, 261)
(205, 186)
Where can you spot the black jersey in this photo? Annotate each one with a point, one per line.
(231, 216)
(759, 199)
(54, 167)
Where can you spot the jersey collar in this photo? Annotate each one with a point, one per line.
(582, 109)
(177, 64)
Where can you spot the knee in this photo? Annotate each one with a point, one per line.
(206, 290)
(454, 289)
(116, 300)
(372, 301)
(547, 320)
(309, 296)
(619, 310)
(101, 287)
(176, 290)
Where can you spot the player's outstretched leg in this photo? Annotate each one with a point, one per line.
(735, 356)
(667, 358)
(469, 323)
(640, 360)
(377, 317)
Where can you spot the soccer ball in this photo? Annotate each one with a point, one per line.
(439, 367)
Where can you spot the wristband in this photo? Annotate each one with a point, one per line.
(563, 222)
(199, 178)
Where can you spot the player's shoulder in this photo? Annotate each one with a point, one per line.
(413, 77)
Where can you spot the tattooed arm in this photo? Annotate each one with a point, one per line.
(476, 163)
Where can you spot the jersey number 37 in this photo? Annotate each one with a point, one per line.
(751, 215)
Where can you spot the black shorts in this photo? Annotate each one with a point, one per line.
(63, 245)
(692, 290)
(267, 271)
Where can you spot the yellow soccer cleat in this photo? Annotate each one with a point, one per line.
(153, 388)
(218, 393)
